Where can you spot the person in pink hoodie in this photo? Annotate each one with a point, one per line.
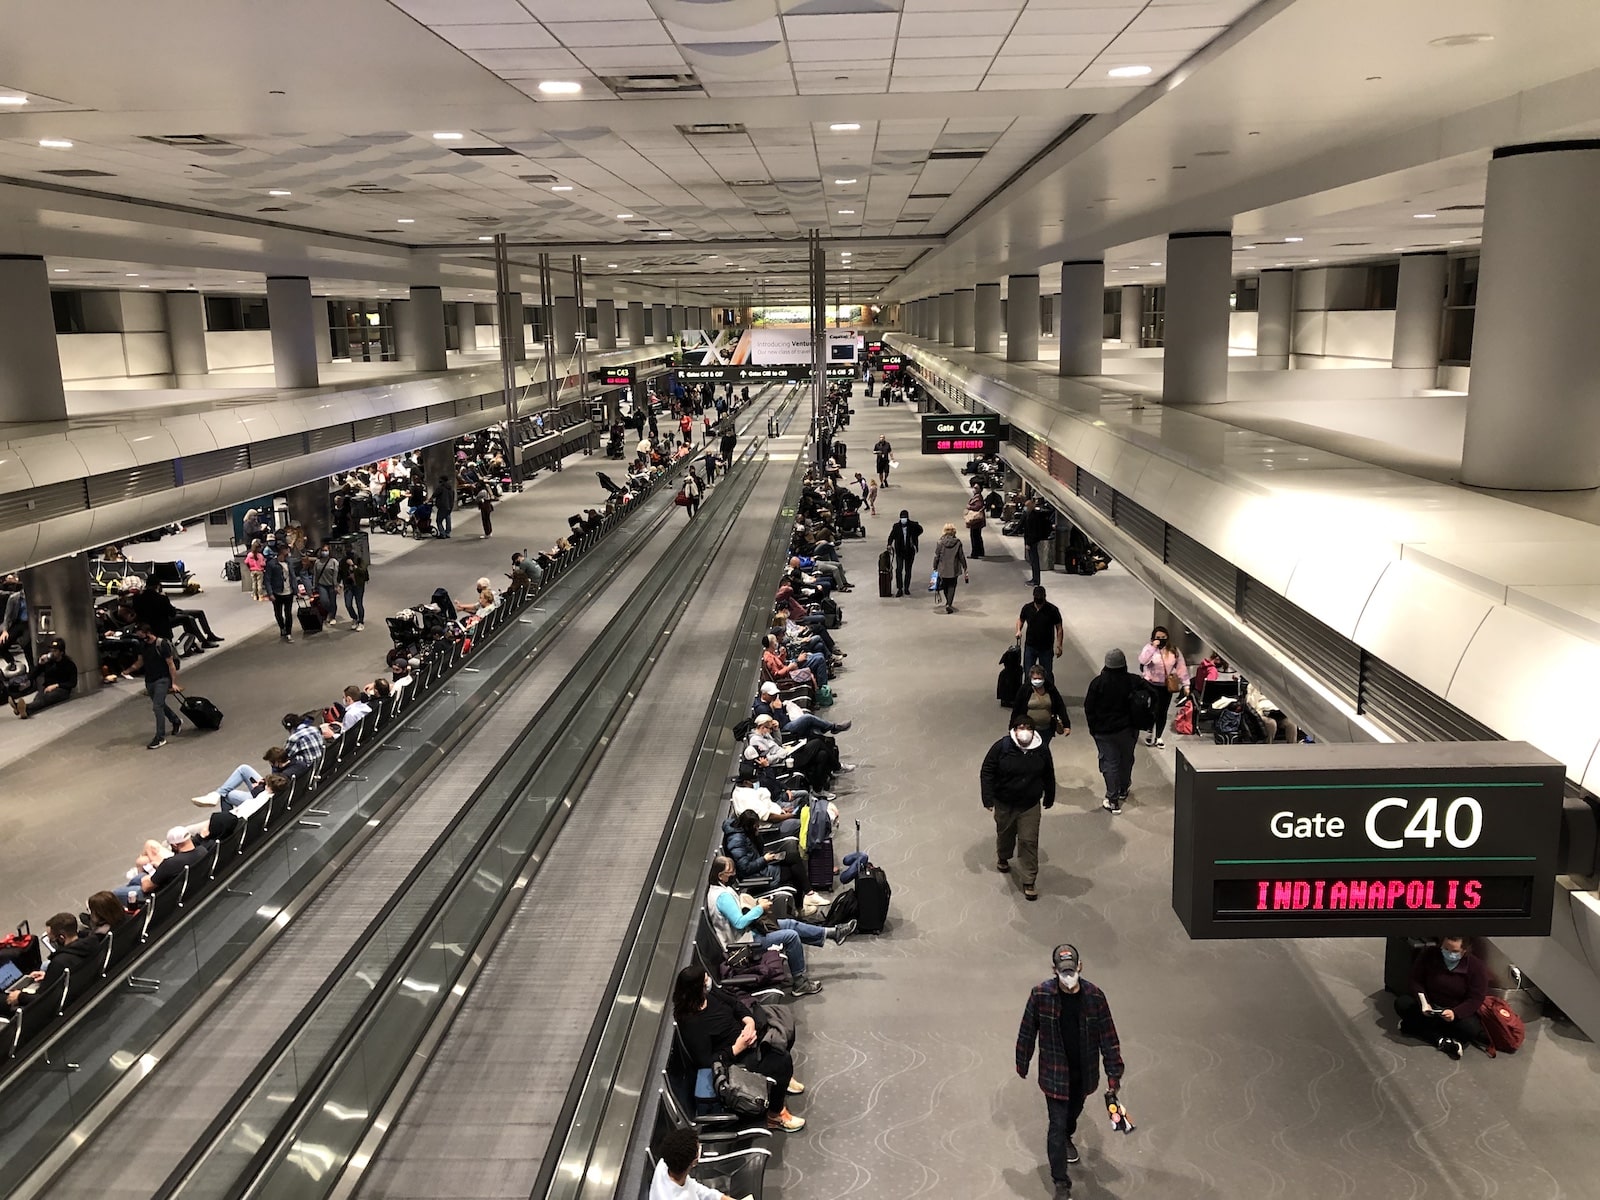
(1159, 662)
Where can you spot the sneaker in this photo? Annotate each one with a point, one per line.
(1149, 739)
(786, 1121)
(1063, 1191)
(155, 743)
(840, 932)
(1109, 804)
(14, 701)
(1003, 866)
(209, 800)
(21, 705)
(1451, 1047)
(176, 725)
(1072, 1151)
(796, 1088)
(845, 768)
(1030, 892)
(805, 987)
(841, 726)
(1160, 744)
(286, 637)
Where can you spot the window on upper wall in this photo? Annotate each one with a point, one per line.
(1047, 316)
(1154, 322)
(1111, 315)
(68, 309)
(1460, 307)
(1246, 295)
(233, 313)
(1383, 285)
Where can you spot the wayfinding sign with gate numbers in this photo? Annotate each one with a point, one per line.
(960, 433)
(1413, 839)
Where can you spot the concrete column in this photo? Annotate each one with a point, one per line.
(309, 506)
(1275, 318)
(965, 307)
(1533, 415)
(605, 324)
(1130, 322)
(986, 318)
(930, 317)
(517, 334)
(30, 368)
(947, 318)
(427, 328)
(658, 323)
(292, 313)
(400, 320)
(438, 462)
(1194, 369)
(466, 326)
(186, 333)
(61, 604)
(634, 323)
(680, 316)
(1419, 311)
(566, 326)
(1081, 316)
(1022, 318)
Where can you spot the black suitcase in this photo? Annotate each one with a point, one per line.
(872, 895)
(886, 575)
(1010, 681)
(310, 619)
(199, 710)
(22, 949)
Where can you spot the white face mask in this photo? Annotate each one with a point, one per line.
(1069, 979)
(1026, 739)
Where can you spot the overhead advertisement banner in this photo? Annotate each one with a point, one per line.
(1405, 840)
(765, 347)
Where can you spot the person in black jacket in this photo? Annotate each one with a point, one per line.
(73, 953)
(1017, 775)
(902, 543)
(1108, 707)
(53, 679)
(1037, 526)
(719, 1027)
(1042, 704)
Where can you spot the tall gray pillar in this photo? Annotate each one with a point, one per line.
(1081, 316)
(566, 326)
(400, 321)
(658, 323)
(1275, 318)
(679, 318)
(1022, 318)
(466, 326)
(605, 324)
(308, 506)
(30, 368)
(947, 318)
(1419, 310)
(321, 331)
(61, 604)
(438, 462)
(291, 312)
(1533, 413)
(1130, 319)
(427, 328)
(986, 318)
(1194, 369)
(186, 333)
(634, 324)
(930, 317)
(965, 306)
(517, 334)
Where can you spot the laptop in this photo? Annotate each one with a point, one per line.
(9, 974)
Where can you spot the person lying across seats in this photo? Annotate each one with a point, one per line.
(735, 919)
(794, 723)
(184, 852)
(817, 569)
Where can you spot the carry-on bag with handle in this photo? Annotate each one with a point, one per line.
(872, 894)
(201, 711)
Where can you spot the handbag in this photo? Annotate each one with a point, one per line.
(1174, 684)
(975, 519)
(740, 1089)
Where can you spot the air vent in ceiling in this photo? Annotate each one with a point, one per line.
(275, 208)
(929, 196)
(954, 155)
(483, 151)
(537, 178)
(78, 173)
(750, 183)
(711, 129)
(1348, 245)
(1462, 208)
(184, 139)
(662, 83)
(373, 189)
(480, 220)
(770, 212)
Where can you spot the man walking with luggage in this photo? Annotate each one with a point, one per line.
(1040, 633)
(1018, 775)
(902, 543)
(1070, 1020)
(159, 666)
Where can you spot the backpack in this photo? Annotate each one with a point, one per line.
(1501, 1026)
(816, 825)
(743, 730)
(1183, 723)
(844, 908)
(1141, 710)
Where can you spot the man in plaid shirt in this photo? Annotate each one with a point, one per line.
(1069, 1017)
(304, 746)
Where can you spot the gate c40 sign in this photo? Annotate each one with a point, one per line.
(1378, 840)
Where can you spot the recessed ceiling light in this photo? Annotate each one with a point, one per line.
(55, 143)
(405, 220)
(560, 87)
(1423, 216)
(447, 137)
(624, 216)
(561, 187)
(13, 100)
(845, 126)
(637, 271)
(1280, 264)
(486, 237)
(1129, 72)
(611, 264)
(847, 212)
(1458, 241)
(62, 270)
(663, 233)
(1462, 39)
(144, 285)
(1155, 264)
(1294, 239)
(1313, 260)
(843, 182)
(241, 281)
(279, 192)
(131, 275)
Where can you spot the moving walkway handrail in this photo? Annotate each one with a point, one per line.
(701, 540)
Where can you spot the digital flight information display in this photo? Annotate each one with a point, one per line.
(960, 433)
(1403, 840)
(619, 376)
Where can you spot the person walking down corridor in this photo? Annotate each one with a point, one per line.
(1070, 1021)
(1164, 673)
(1017, 777)
(902, 543)
(1108, 709)
(950, 565)
(486, 510)
(882, 455)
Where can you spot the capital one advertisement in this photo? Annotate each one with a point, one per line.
(766, 347)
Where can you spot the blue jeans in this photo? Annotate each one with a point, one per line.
(157, 690)
(817, 665)
(789, 936)
(1040, 655)
(330, 599)
(355, 601)
(1033, 561)
(235, 790)
(443, 521)
(1063, 1116)
(807, 725)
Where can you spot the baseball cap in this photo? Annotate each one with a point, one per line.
(1065, 957)
(177, 835)
(769, 688)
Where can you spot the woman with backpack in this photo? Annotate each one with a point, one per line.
(1165, 673)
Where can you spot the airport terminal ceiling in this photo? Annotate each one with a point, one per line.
(933, 143)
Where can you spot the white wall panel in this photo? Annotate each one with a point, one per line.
(147, 354)
(1417, 618)
(1361, 334)
(1242, 331)
(143, 312)
(230, 349)
(1310, 329)
(1335, 582)
(90, 356)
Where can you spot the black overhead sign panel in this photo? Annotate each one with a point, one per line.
(755, 373)
(1414, 839)
(619, 376)
(960, 433)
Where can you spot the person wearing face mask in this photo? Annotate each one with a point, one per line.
(902, 544)
(1108, 708)
(1448, 986)
(1069, 1019)
(1017, 776)
(1159, 662)
(1042, 704)
(327, 578)
(734, 923)
(716, 1026)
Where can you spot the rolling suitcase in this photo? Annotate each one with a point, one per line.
(872, 894)
(201, 711)
(819, 866)
(886, 575)
(310, 618)
(22, 950)
(1010, 681)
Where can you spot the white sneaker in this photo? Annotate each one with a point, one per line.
(846, 768)
(209, 800)
(1160, 745)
